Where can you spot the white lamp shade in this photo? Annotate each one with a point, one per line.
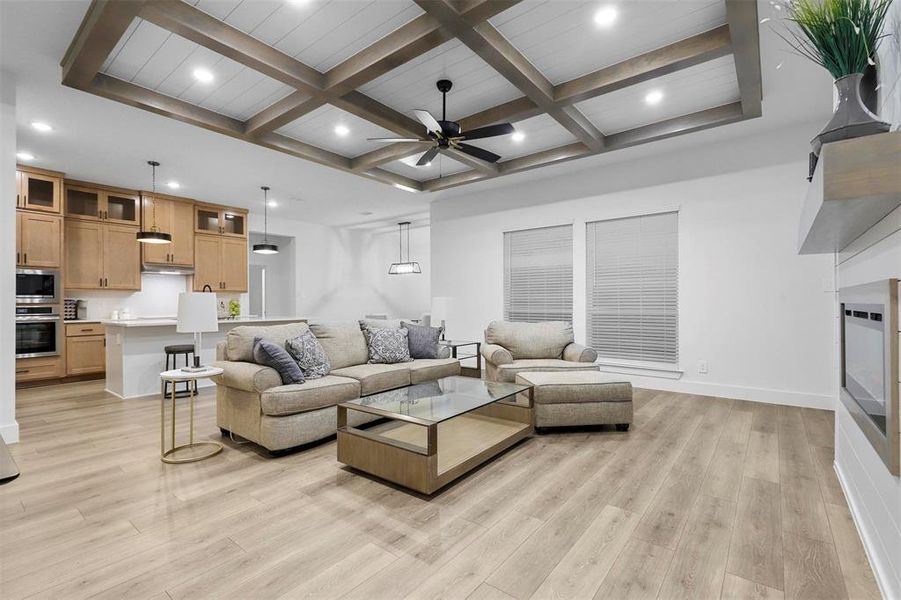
(441, 306)
(197, 313)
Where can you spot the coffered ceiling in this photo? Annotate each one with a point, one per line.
(316, 78)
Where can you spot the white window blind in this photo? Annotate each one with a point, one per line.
(632, 288)
(538, 274)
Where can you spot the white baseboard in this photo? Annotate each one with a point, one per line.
(869, 546)
(769, 396)
(10, 432)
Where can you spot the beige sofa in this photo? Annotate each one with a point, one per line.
(512, 348)
(252, 403)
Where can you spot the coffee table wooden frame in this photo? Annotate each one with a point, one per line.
(451, 448)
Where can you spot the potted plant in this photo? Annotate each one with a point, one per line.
(842, 37)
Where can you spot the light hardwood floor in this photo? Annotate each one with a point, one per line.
(703, 498)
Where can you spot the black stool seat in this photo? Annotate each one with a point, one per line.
(178, 349)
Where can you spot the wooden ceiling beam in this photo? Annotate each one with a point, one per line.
(283, 112)
(471, 161)
(99, 32)
(386, 154)
(741, 16)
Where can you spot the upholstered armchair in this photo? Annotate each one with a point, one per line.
(512, 348)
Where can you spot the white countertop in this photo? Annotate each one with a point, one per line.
(171, 322)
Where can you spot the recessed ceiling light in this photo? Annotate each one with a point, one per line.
(405, 188)
(272, 204)
(203, 75)
(41, 126)
(341, 130)
(24, 156)
(653, 97)
(173, 185)
(518, 136)
(605, 16)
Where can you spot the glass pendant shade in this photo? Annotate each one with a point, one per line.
(404, 267)
(265, 247)
(154, 235)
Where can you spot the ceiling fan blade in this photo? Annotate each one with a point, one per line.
(478, 153)
(428, 157)
(426, 118)
(398, 139)
(489, 131)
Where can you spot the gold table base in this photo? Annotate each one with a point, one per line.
(166, 455)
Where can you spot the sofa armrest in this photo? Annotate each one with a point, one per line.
(496, 355)
(246, 376)
(222, 350)
(578, 353)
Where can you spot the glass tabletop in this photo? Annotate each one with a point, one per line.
(440, 400)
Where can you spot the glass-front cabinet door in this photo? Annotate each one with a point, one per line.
(83, 203)
(40, 192)
(234, 223)
(121, 208)
(207, 220)
(221, 221)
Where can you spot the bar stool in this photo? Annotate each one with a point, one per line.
(173, 352)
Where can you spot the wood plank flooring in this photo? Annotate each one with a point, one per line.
(702, 498)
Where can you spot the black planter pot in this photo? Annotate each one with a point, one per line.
(851, 118)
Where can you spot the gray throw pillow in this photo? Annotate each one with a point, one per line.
(309, 354)
(423, 340)
(388, 346)
(272, 355)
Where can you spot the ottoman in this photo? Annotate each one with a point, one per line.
(564, 399)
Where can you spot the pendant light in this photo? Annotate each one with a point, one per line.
(154, 235)
(265, 247)
(404, 267)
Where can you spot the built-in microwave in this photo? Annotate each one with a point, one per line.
(39, 331)
(38, 286)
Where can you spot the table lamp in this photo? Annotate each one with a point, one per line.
(197, 313)
(440, 308)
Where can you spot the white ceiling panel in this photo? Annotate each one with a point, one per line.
(318, 128)
(541, 133)
(156, 59)
(412, 85)
(561, 38)
(319, 33)
(442, 165)
(703, 86)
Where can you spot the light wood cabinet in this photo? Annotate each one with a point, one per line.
(102, 204)
(174, 217)
(85, 354)
(220, 220)
(38, 240)
(35, 369)
(221, 263)
(101, 256)
(38, 190)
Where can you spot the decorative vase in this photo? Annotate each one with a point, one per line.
(851, 118)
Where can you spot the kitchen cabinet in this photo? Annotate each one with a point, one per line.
(35, 369)
(85, 348)
(174, 217)
(220, 262)
(38, 240)
(220, 220)
(38, 190)
(101, 256)
(102, 204)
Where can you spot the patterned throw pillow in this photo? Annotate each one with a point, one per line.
(388, 346)
(272, 355)
(308, 352)
(423, 340)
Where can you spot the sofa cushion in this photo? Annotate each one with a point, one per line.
(423, 340)
(246, 376)
(530, 340)
(575, 387)
(428, 369)
(388, 346)
(275, 356)
(380, 324)
(377, 378)
(508, 372)
(239, 341)
(344, 343)
(312, 395)
(309, 354)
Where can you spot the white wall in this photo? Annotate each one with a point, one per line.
(758, 313)
(9, 428)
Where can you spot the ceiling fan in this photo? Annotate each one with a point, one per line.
(446, 135)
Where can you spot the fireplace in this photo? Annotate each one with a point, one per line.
(869, 364)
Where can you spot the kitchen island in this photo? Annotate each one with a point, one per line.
(135, 357)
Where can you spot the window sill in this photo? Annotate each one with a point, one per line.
(637, 368)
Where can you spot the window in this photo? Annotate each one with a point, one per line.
(632, 288)
(538, 274)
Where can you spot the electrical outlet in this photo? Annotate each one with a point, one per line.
(702, 367)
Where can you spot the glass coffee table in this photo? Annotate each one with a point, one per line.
(426, 435)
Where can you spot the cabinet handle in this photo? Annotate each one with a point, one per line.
(105, 282)
(101, 282)
(24, 199)
(23, 371)
(25, 258)
(17, 258)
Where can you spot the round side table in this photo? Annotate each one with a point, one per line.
(179, 376)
